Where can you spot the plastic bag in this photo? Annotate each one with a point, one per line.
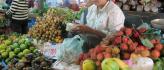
(70, 49)
(142, 63)
(49, 50)
(59, 65)
(144, 25)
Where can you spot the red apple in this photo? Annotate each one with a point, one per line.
(155, 54)
(159, 47)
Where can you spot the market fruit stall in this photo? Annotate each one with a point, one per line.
(127, 49)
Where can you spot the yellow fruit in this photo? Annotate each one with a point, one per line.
(89, 65)
(121, 64)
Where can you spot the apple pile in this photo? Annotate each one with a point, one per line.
(99, 53)
(129, 41)
(18, 52)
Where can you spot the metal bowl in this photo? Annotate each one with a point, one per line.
(158, 23)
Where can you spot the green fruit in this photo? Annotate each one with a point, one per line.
(20, 55)
(15, 45)
(89, 65)
(27, 42)
(8, 42)
(109, 64)
(11, 55)
(26, 51)
(21, 41)
(35, 51)
(4, 55)
(7, 60)
(32, 48)
(23, 46)
(1, 51)
(2, 47)
(8, 49)
(23, 59)
(17, 50)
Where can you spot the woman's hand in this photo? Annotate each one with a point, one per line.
(86, 29)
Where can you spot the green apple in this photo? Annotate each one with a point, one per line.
(17, 50)
(8, 42)
(1, 51)
(15, 45)
(32, 48)
(20, 55)
(27, 42)
(4, 55)
(2, 47)
(11, 55)
(23, 59)
(21, 41)
(8, 49)
(23, 46)
(26, 51)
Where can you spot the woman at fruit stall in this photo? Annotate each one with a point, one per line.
(104, 17)
(19, 19)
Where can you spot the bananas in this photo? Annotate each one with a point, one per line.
(121, 64)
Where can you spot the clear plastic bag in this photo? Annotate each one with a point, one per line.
(59, 65)
(70, 49)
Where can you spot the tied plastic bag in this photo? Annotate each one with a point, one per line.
(70, 49)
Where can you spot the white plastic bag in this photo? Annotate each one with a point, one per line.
(60, 65)
(142, 63)
(49, 50)
(70, 49)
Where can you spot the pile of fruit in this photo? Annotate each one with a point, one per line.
(99, 53)
(18, 52)
(52, 26)
(107, 64)
(138, 42)
(128, 43)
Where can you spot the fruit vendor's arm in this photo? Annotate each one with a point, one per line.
(86, 29)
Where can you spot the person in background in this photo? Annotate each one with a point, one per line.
(85, 11)
(8, 2)
(66, 3)
(19, 11)
(54, 3)
(31, 3)
(104, 16)
(74, 5)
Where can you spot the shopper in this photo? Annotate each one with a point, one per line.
(19, 12)
(103, 17)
